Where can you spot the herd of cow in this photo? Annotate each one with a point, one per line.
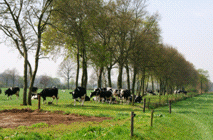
(79, 94)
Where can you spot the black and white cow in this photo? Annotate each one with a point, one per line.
(102, 94)
(12, 90)
(49, 92)
(180, 91)
(34, 94)
(34, 90)
(125, 94)
(138, 99)
(79, 92)
(151, 92)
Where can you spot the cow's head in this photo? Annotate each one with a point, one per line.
(92, 94)
(34, 96)
(96, 92)
(74, 94)
(7, 91)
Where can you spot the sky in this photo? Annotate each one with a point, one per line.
(186, 25)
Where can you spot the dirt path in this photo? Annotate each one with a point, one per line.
(15, 117)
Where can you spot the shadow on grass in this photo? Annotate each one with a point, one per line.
(105, 107)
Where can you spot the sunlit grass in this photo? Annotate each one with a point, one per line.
(191, 118)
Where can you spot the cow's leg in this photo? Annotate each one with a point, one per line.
(10, 97)
(103, 100)
(83, 99)
(128, 100)
(16, 97)
(56, 100)
(110, 101)
(17, 94)
(99, 99)
(53, 98)
(74, 102)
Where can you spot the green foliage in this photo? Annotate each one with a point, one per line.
(29, 136)
(39, 125)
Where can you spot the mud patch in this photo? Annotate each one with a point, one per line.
(26, 117)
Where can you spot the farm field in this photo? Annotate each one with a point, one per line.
(190, 119)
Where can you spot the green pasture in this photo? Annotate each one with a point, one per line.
(191, 118)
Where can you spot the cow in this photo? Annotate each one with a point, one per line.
(48, 92)
(0, 91)
(79, 92)
(95, 93)
(180, 91)
(138, 99)
(34, 94)
(125, 94)
(12, 90)
(151, 92)
(34, 90)
(102, 94)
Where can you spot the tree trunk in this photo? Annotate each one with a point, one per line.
(128, 79)
(25, 79)
(119, 82)
(84, 71)
(109, 76)
(143, 82)
(36, 68)
(153, 88)
(100, 77)
(134, 80)
(78, 67)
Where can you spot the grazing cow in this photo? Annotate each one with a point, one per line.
(34, 94)
(180, 91)
(49, 92)
(151, 92)
(79, 92)
(95, 93)
(34, 90)
(138, 99)
(12, 90)
(125, 94)
(116, 93)
(102, 94)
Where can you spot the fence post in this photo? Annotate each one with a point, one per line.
(132, 122)
(39, 101)
(170, 106)
(152, 117)
(144, 104)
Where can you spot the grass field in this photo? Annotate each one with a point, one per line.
(190, 119)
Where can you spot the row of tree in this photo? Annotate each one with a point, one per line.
(11, 78)
(117, 34)
(103, 34)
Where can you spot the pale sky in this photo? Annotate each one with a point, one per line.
(187, 25)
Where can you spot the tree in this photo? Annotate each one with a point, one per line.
(71, 20)
(66, 69)
(203, 78)
(24, 22)
(6, 76)
(44, 80)
(14, 75)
